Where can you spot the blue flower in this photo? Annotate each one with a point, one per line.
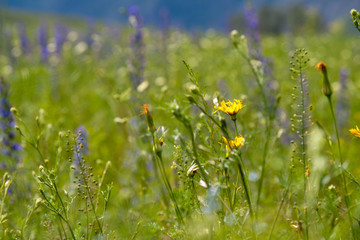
(9, 146)
(24, 40)
(42, 38)
(343, 103)
(60, 37)
(81, 148)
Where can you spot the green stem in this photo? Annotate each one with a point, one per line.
(243, 179)
(236, 130)
(65, 212)
(346, 194)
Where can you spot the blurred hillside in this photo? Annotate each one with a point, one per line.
(195, 14)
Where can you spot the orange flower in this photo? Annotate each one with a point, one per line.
(144, 110)
(320, 66)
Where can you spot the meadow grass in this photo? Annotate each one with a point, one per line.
(132, 132)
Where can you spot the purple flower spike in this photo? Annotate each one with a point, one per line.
(24, 40)
(81, 144)
(42, 38)
(60, 37)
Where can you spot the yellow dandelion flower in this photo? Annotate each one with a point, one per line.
(234, 144)
(355, 131)
(230, 108)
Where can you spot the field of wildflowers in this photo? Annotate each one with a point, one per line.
(132, 132)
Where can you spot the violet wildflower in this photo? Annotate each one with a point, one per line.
(24, 40)
(60, 37)
(137, 58)
(9, 146)
(253, 32)
(81, 145)
(343, 106)
(255, 50)
(42, 38)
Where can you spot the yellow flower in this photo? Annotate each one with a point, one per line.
(230, 108)
(355, 131)
(234, 144)
(144, 109)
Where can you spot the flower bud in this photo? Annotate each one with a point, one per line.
(14, 111)
(326, 88)
(234, 37)
(7, 184)
(191, 99)
(150, 121)
(353, 12)
(193, 89)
